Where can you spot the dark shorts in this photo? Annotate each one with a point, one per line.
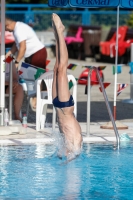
(38, 59)
(59, 104)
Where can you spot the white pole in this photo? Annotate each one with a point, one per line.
(116, 63)
(88, 104)
(10, 91)
(2, 64)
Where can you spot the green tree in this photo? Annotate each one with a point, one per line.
(129, 21)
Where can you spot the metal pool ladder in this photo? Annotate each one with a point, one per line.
(106, 102)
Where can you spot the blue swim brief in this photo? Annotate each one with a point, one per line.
(59, 104)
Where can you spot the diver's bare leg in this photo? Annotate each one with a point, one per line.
(54, 85)
(62, 81)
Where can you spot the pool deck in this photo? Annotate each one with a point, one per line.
(99, 115)
(46, 136)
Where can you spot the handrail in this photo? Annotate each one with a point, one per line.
(29, 11)
(107, 104)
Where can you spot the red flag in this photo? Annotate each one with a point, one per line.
(8, 59)
(105, 85)
(47, 62)
(20, 72)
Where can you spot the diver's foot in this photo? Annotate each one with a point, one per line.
(58, 23)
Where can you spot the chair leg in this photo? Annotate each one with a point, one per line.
(43, 115)
(75, 110)
(38, 115)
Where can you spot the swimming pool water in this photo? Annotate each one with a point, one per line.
(34, 172)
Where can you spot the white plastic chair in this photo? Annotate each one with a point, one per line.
(42, 102)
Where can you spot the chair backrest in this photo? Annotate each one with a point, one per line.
(121, 34)
(79, 32)
(72, 78)
(48, 79)
(28, 86)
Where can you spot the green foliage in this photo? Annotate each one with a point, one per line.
(43, 21)
(108, 20)
(129, 21)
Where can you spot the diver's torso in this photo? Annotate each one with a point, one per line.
(68, 125)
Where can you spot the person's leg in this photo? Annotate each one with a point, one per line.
(18, 100)
(54, 85)
(18, 94)
(62, 54)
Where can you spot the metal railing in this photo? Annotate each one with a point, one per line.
(39, 15)
(106, 102)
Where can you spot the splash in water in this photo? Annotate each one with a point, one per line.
(65, 149)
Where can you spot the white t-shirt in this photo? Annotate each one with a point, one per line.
(23, 32)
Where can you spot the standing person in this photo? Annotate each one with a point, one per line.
(62, 100)
(27, 45)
